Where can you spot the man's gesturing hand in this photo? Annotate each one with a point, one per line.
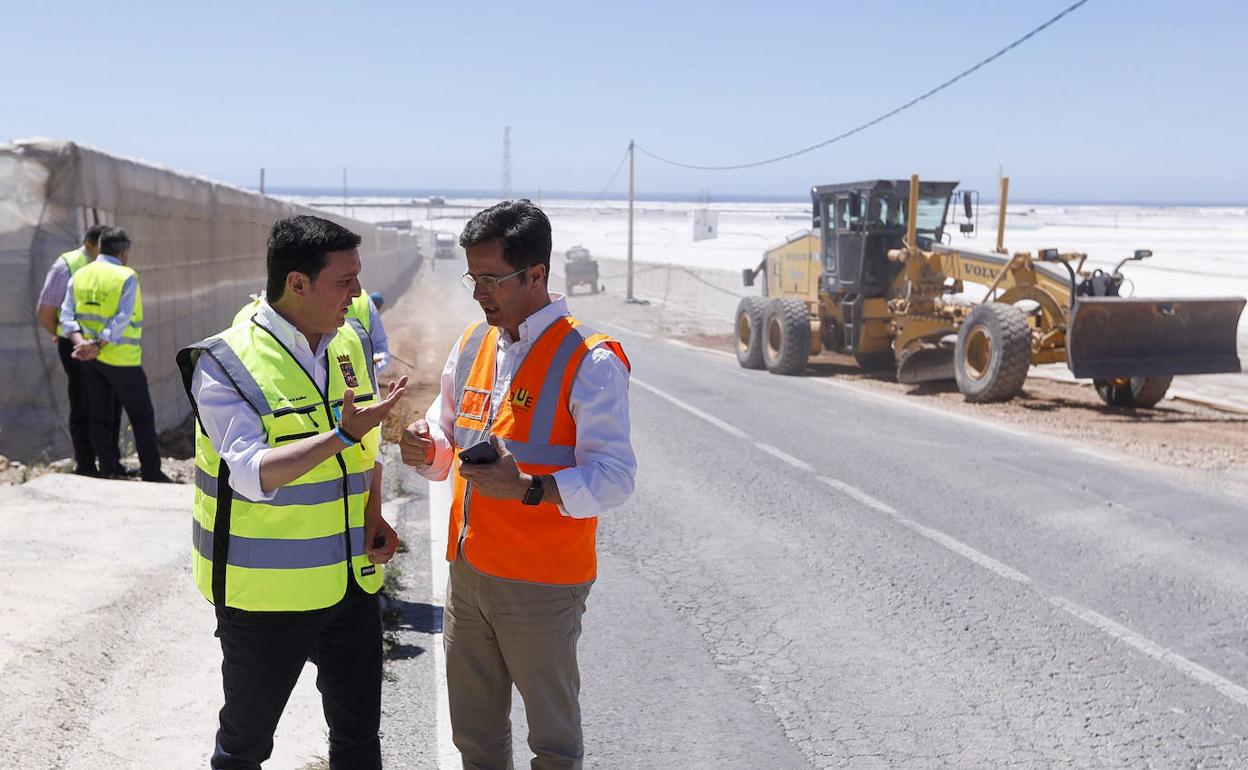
(356, 422)
(416, 446)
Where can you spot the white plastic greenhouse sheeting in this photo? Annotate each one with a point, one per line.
(199, 248)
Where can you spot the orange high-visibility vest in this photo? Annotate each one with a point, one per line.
(505, 538)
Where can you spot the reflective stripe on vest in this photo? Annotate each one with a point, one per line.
(97, 291)
(295, 551)
(505, 538)
(75, 260)
(270, 553)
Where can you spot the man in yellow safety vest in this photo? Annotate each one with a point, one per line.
(103, 316)
(48, 310)
(288, 537)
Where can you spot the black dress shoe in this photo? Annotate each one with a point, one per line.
(89, 472)
(160, 478)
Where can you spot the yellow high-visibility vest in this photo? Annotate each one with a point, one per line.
(97, 291)
(297, 551)
(359, 311)
(75, 260)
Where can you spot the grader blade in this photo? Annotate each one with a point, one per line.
(1111, 337)
(929, 364)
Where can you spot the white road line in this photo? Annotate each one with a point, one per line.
(700, 349)
(439, 509)
(860, 496)
(624, 329)
(964, 550)
(788, 458)
(935, 535)
(691, 409)
(1107, 626)
(1153, 650)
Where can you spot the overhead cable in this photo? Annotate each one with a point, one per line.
(603, 191)
(881, 118)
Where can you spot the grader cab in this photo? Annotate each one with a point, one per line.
(873, 281)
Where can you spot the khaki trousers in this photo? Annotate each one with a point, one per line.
(499, 632)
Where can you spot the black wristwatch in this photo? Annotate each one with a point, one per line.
(533, 495)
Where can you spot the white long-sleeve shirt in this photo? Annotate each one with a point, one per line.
(232, 425)
(605, 464)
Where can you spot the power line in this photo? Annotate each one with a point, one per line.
(610, 181)
(881, 118)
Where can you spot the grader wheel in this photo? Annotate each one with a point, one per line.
(993, 353)
(749, 332)
(1142, 392)
(786, 336)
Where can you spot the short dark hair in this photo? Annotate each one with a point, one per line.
(302, 244)
(520, 225)
(92, 238)
(113, 241)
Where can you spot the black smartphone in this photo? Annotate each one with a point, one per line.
(479, 454)
(379, 541)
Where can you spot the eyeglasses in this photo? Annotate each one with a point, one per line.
(488, 283)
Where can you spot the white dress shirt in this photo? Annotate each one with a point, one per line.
(605, 464)
(232, 425)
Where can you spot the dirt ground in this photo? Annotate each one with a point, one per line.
(1175, 432)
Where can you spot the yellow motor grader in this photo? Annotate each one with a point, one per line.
(872, 280)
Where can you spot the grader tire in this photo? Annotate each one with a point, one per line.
(786, 336)
(749, 332)
(993, 353)
(876, 360)
(1139, 392)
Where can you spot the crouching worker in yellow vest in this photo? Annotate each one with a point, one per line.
(288, 536)
(550, 396)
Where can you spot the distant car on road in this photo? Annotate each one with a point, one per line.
(580, 269)
(443, 246)
(437, 200)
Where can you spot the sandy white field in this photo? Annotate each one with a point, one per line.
(1198, 251)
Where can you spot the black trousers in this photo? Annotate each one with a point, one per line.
(80, 409)
(264, 653)
(106, 386)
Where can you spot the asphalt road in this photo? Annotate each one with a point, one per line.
(814, 575)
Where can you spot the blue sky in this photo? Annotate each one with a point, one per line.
(1120, 101)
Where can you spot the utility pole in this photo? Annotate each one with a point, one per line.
(507, 163)
(344, 191)
(262, 180)
(630, 297)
